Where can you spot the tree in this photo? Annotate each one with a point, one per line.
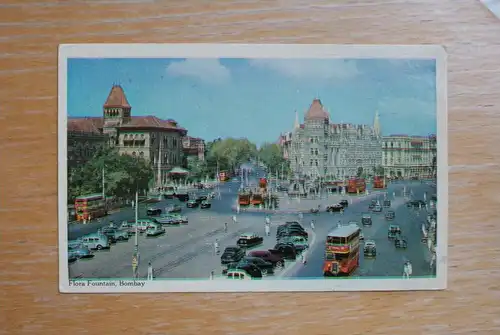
(123, 174)
(271, 155)
(229, 154)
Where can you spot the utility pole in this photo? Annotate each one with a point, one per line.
(103, 185)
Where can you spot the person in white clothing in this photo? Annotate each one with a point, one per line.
(312, 224)
(238, 209)
(150, 271)
(268, 220)
(433, 260)
(268, 230)
(339, 224)
(216, 247)
(407, 270)
(234, 219)
(303, 257)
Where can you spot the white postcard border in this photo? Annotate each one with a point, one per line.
(259, 51)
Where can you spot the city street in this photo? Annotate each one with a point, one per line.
(389, 260)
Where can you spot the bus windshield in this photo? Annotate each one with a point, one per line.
(335, 240)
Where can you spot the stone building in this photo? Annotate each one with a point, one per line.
(321, 149)
(155, 140)
(193, 147)
(409, 156)
(84, 139)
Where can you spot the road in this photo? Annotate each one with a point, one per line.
(187, 251)
(389, 260)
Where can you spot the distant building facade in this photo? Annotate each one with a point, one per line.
(409, 156)
(155, 140)
(321, 149)
(84, 139)
(193, 147)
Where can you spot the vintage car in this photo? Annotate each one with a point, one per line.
(372, 204)
(370, 249)
(114, 234)
(387, 203)
(390, 215)
(291, 224)
(251, 270)
(400, 242)
(276, 259)
(205, 204)
(249, 240)
(173, 209)
(415, 203)
(177, 218)
(266, 268)
(240, 274)
(155, 230)
(344, 203)
(366, 220)
(289, 232)
(299, 242)
(286, 249)
(377, 208)
(393, 231)
(79, 251)
(192, 204)
(153, 211)
(232, 254)
(334, 208)
(361, 236)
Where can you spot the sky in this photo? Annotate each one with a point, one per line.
(257, 98)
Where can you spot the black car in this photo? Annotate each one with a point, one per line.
(201, 198)
(286, 250)
(174, 209)
(205, 204)
(290, 225)
(400, 242)
(232, 254)
(344, 203)
(387, 203)
(192, 204)
(291, 232)
(264, 267)
(372, 204)
(152, 211)
(334, 208)
(109, 233)
(249, 241)
(390, 215)
(366, 220)
(251, 269)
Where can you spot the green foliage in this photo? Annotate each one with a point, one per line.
(123, 175)
(271, 155)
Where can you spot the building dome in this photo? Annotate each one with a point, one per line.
(316, 111)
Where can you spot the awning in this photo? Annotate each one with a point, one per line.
(178, 170)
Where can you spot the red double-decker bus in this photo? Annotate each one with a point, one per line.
(342, 251)
(90, 206)
(355, 185)
(379, 182)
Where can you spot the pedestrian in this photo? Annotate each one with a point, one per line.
(134, 266)
(225, 227)
(238, 209)
(90, 218)
(212, 275)
(216, 247)
(234, 219)
(433, 260)
(312, 224)
(150, 271)
(407, 270)
(133, 203)
(268, 230)
(268, 220)
(303, 257)
(339, 224)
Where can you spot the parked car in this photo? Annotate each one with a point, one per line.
(155, 230)
(251, 269)
(249, 240)
(96, 241)
(387, 203)
(167, 219)
(266, 268)
(153, 211)
(400, 242)
(201, 198)
(393, 231)
(372, 204)
(115, 234)
(370, 249)
(276, 259)
(377, 208)
(291, 232)
(366, 220)
(291, 225)
(361, 236)
(192, 204)
(174, 209)
(299, 242)
(334, 208)
(205, 204)
(177, 218)
(390, 215)
(80, 251)
(287, 250)
(344, 203)
(232, 254)
(240, 274)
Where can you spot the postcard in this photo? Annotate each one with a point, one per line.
(251, 168)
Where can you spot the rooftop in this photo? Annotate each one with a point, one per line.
(117, 98)
(316, 111)
(344, 231)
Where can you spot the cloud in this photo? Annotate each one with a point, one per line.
(309, 68)
(205, 70)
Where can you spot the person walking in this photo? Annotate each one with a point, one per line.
(268, 230)
(150, 271)
(234, 219)
(407, 270)
(134, 266)
(268, 220)
(216, 247)
(312, 225)
(225, 227)
(212, 275)
(303, 257)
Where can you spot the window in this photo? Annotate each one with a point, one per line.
(316, 151)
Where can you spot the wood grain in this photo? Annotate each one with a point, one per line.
(30, 32)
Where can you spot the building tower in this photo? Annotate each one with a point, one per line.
(376, 125)
(316, 124)
(116, 112)
(297, 123)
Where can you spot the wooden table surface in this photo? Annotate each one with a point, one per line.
(30, 32)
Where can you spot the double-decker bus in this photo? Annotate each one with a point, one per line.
(378, 182)
(90, 206)
(355, 185)
(244, 198)
(342, 250)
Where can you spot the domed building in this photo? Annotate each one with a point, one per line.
(319, 148)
